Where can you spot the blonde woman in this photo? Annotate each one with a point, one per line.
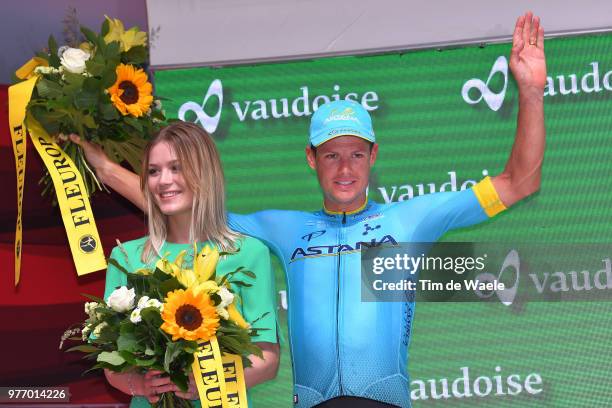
(183, 185)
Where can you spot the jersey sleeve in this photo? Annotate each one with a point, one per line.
(114, 277)
(442, 212)
(270, 226)
(259, 299)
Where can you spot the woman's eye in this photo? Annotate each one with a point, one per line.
(175, 168)
(152, 172)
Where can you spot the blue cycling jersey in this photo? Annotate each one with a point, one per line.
(341, 346)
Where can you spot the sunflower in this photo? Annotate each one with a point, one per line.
(131, 93)
(189, 315)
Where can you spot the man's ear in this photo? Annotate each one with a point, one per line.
(311, 157)
(373, 154)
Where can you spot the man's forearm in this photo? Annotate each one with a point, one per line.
(123, 182)
(522, 174)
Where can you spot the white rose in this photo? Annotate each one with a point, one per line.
(227, 297)
(73, 60)
(142, 302)
(135, 317)
(122, 299)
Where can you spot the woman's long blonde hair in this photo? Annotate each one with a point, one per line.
(201, 168)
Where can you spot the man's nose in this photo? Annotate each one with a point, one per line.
(345, 165)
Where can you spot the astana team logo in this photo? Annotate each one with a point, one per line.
(209, 123)
(492, 99)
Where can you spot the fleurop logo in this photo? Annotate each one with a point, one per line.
(492, 99)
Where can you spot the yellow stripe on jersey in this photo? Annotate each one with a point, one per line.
(488, 197)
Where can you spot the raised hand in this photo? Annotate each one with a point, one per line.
(527, 61)
(95, 155)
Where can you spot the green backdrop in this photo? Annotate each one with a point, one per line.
(433, 136)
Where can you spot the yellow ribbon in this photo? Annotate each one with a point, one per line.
(220, 379)
(26, 71)
(85, 245)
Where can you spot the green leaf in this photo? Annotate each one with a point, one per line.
(95, 66)
(74, 82)
(128, 357)
(180, 379)
(173, 350)
(112, 261)
(133, 122)
(112, 51)
(89, 35)
(48, 89)
(112, 358)
(86, 99)
(240, 283)
(94, 298)
(105, 28)
(108, 111)
(84, 348)
(92, 84)
(89, 121)
(144, 363)
(109, 77)
(169, 285)
(248, 273)
(127, 342)
(149, 352)
(43, 55)
(136, 55)
(54, 60)
(151, 315)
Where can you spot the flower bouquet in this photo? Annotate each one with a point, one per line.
(98, 89)
(163, 316)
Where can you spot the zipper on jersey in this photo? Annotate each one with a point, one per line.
(338, 307)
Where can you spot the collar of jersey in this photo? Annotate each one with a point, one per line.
(356, 211)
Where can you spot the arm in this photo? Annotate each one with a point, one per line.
(112, 174)
(260, 371)
(522, 174)
(263, 369)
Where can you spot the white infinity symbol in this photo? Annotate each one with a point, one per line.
(209, 123)
(506, 295)
(494, 100)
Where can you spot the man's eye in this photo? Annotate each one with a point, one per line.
(331, 156)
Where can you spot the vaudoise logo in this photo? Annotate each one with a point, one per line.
(493, 100)
(592, 80)
(209, 123)
(298, 104)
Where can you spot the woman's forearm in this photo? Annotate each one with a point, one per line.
(263, 369)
